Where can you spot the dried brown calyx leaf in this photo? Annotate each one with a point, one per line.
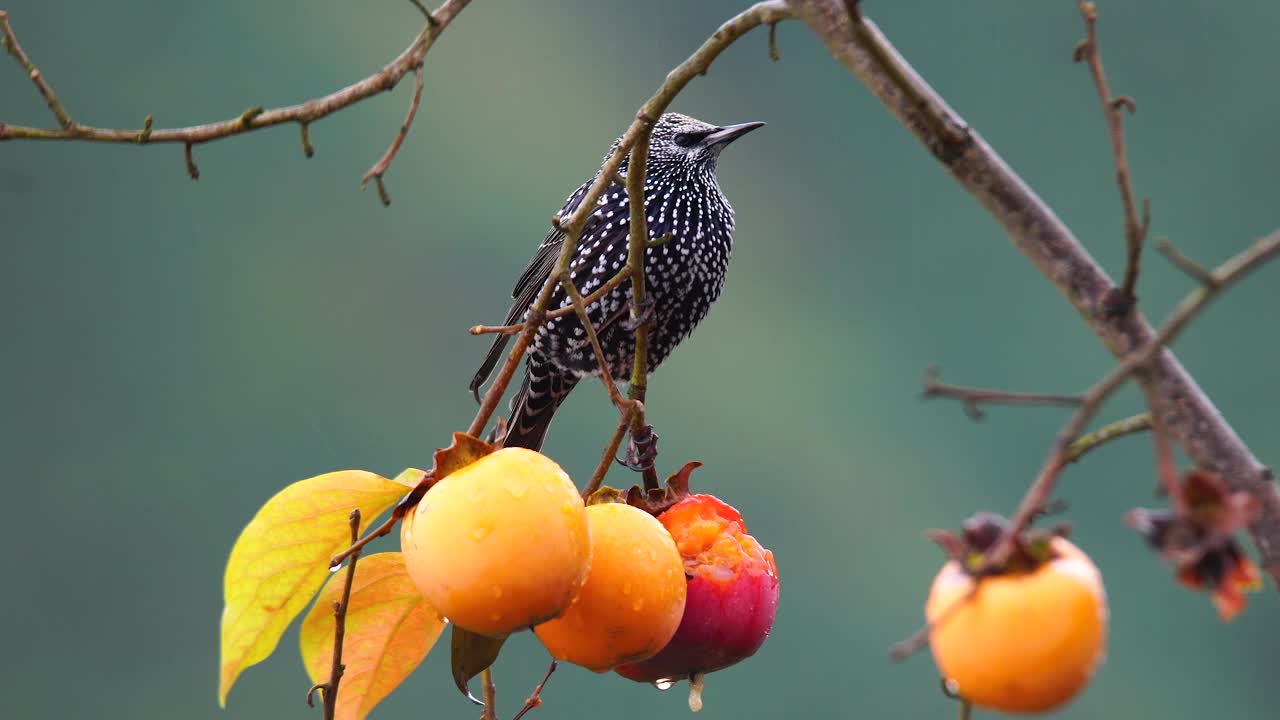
(982, 530)
(462, 451)
(1199, 544)
(654, 501)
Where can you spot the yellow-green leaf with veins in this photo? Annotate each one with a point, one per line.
(282, 557)
(389, 630)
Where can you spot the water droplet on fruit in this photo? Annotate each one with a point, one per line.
(695, 692)
(638, 605)
(480, 532)
(495, 617)
(336, 568)
(626, 588)
(517, 491)
(665, 683)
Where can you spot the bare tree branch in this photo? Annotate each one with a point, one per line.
(1184, 263)
(606, 377)
(623, 275)
(384, 163)
(640, 309)
(1105, 434)
(1191, 418)
(10, 42)
(329, 690)
(971, 398)
(1042, 487)
(490, 711)
(610, 452)
(254, 118)
(1113, 108)
(535, 699)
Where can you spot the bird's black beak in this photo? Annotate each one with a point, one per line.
(729, 133)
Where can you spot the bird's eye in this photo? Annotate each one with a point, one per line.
(685, 139)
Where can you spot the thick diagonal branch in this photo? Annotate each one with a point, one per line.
(1038, 494)
(1191, 418)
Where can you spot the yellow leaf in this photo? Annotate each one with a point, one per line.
(389, 630)
(282, 557)
(410, 477)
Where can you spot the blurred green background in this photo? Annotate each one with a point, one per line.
(175, 352)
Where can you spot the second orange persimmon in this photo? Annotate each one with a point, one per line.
(633, 598)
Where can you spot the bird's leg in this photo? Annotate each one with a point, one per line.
(646, 315)
(642, 450)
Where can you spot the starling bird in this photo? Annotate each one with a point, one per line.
(683, 275)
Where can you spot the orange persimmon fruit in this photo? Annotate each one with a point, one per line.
(1024, 641)
(500, 545)
(633, 599)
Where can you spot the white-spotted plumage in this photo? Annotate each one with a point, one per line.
(683, 275)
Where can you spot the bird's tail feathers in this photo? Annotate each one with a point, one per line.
(534, 405)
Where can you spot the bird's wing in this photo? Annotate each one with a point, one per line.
(530, 282)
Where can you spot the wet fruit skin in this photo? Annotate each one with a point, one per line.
(633, 598)
(500, 545)
(1025, 642)
(732, 593)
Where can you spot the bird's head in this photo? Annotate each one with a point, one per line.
(680, 144)
(682, 140)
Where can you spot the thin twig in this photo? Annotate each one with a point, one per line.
(637, 241)
(329, 690)
(490, 711)
(1096, 439)
(10, 42)
(355, 546)
(610, 452)
(1113, 109)
(535, 699)
(1166, 469)
(920, 638)
(1042, 487)
(380, 168)
(426, 14)
(305, 130)
(696, 64)
(1184, 263)
(192, 171)
(620, 277)
(973, 397)
(303, 114)
(606, 377)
